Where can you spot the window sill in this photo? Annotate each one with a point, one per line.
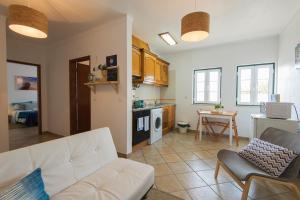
(247, 105)
(206, 103)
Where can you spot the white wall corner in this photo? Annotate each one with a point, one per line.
(129, 23)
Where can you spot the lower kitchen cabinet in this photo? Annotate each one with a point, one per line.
(168, 118)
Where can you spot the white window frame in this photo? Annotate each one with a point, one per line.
(206, 86)
(254, 77)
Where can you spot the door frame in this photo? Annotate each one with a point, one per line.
(72, 90)
(38, 67)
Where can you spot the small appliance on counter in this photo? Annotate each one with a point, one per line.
(278, 110)
(138, 104)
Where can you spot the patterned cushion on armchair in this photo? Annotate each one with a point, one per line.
(269, 157)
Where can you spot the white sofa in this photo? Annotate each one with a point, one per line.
(83, 166)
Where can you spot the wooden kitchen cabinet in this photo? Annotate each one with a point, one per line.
(148, 66)
(165, 126)
(161, 72)
(158, 75)
(168, 118)
(165, 74)
(137, 42)
(136, 62)
(171, 118)
(164, 69)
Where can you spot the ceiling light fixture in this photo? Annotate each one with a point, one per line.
(27, 21)
(167, 37)
(195, 26)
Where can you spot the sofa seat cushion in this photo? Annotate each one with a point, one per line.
(120, 179)
(239, 166)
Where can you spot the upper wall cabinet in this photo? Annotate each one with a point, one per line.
(137, 42)
(147, 67)
(163, 72)
(158, 74)
(136, 62)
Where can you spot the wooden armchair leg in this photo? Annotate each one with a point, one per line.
(197, 131)
(297, 191)
(217, 169)
(246, 189)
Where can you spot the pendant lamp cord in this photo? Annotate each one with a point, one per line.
(195, 5)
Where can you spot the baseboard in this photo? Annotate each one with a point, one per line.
(225, 135)
(47, 132)
(122, 155)
(139, 145)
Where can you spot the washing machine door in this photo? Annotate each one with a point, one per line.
(158, 123)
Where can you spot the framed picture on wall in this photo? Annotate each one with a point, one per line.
(297, 56)
(26, 83)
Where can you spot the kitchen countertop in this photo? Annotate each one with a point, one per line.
(149, 107)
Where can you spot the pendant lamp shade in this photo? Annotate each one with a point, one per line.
(27, 21)
(195, 26)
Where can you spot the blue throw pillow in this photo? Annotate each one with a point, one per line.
(30, 187)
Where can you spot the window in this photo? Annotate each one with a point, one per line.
(255, 83)
(207, 86)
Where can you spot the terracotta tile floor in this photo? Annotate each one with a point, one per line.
(185, 168)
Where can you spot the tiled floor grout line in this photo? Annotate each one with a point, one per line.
(186, 190)
(168, 146)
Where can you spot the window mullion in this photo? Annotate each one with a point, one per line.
(219, 87)
(206, 88)
(271, 82)
(195, 82)
(238, 78)
(253, 89)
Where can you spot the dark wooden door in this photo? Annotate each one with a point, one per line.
(83, 97)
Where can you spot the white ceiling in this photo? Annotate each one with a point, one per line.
(231, 20)
(66, 17)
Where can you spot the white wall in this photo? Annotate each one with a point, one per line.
(109, 108)
(288, 76)
(13, 70)
(23, 49)
(147, 92)
(4, 139)
(169, 93)
(227, 56)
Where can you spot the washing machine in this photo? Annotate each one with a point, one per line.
(156, 125)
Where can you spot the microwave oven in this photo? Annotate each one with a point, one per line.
(278, 110)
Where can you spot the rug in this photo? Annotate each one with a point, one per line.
(155, 194)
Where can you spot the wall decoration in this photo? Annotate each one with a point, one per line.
(111, 60)
(297, 56)
(26, 83)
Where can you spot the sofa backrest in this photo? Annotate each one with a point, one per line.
(282, 138)
(63, 161)
(288, 140)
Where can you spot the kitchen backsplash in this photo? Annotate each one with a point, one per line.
(145, 92)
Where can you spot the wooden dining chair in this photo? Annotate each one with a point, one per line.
(205, 123)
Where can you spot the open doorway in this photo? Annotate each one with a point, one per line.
(24, 103)
(80, 95)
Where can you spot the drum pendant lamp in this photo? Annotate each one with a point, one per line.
(195, 26)
(27, 21)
